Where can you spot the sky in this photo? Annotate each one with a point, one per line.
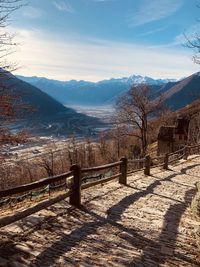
(101, 39)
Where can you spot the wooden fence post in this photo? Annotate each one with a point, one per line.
(147, 165)
(75, 197)
(166, 161)
(123, 171)
(186, 153)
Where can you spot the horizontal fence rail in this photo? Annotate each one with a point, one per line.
(157, 161)
(194, 149)
(101, 181)
(135, 165)
(34, 185)
(29, 211)
(179, 154)
(103, 167)
(106, 176)
(78, 179)
(13, 196)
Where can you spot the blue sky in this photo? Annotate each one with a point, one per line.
(100, 39)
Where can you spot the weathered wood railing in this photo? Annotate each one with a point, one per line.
(177, 155)
(121, 174)
(15, 194)
(71, 180)
(34, 185)
(135, 165)
(75, 180)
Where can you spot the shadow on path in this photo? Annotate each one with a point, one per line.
(159, 195)
(166, 243)
(151, 248)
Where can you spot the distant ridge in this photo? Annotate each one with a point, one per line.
(177, 94)
(90, 93)
(183, 92)
(48, 116)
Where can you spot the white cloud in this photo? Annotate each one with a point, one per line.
(45, 55)
(32, 12)
(65, 6)
(152, 10)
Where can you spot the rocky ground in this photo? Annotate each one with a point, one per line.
(146, 223)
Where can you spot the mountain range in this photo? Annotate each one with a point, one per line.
(49, 100)
(90, 93)
(177, 93)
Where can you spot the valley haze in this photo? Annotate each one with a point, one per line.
(98, 99)
(85, 93)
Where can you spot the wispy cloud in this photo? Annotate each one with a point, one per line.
(44, 55)
(65, 6)
(153, 31)
(153, 10)
(32, 12)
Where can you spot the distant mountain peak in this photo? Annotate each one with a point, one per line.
(135, 79)
(106, 92)
(138, 79)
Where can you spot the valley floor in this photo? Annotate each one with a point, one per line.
(146, 223)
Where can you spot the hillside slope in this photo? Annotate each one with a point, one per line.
(177, 94)
(45, 115)
(183, 92)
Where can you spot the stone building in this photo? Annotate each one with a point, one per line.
(172, 138)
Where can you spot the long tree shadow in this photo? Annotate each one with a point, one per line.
(118, 209)
(183, 170)
(75, 237)
(159, 195)
(166, 242)
(68, 241)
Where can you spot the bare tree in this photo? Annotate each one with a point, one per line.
(7, 43)
(103, 148)
(193, 42)
(48, 162)
(7, 46)
(89, 153)
(117, 134)
(135, 109)
(73, 150)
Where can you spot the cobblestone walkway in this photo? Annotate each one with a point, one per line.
(147, 223)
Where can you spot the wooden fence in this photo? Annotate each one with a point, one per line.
(76, 180)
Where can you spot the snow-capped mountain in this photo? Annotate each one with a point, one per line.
(91, 93)
(137, 79)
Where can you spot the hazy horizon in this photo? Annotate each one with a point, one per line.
(95, 40)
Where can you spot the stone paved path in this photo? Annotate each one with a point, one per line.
(147, 223)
